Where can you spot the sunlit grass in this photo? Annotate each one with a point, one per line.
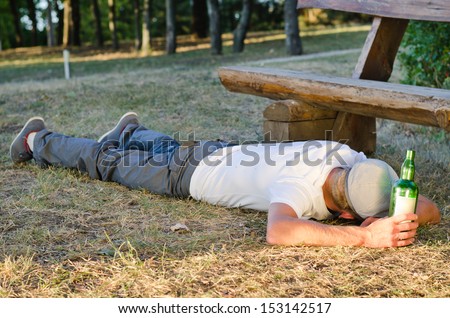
(37, 55)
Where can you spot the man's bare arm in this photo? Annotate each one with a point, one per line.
(427, 211)
(284, 228)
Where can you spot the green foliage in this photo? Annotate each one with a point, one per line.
(426, 54)
(267, 15)
(6, 25)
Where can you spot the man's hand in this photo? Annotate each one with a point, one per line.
(396, 231)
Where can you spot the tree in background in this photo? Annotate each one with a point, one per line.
(214, 27)
(171, 37)
(112, 23)
(88, 20)
(293, 41)
(67, 23)
(200, 18)
(17, 27)
(240, 32)
(50, 27)
(72, 23)
(137, 25)
(146, 28)
(60, 27)
(76, 22)
(32, 15)
(268, 15)
(97, 22)
(6, 26)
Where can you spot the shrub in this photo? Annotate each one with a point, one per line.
(425, 55)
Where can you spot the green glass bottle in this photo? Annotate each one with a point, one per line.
(405, 192)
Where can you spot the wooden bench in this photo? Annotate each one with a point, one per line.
(325, 107)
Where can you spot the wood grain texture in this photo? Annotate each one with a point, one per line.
(358, 132)
(376, 61)
(291, 110)
(413, 104)
(280, 131)
(428, 10)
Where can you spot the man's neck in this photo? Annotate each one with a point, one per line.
(331, 181)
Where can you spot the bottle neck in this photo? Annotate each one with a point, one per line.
(410, 154)
(408, 170)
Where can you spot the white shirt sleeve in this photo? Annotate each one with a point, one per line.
(292, 192)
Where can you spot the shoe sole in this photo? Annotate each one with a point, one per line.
(19, 135)
(119, 123)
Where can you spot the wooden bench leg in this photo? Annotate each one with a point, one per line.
(358, 132)
(375, 63)
(288, 120)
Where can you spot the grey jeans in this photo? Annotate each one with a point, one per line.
(141, 158)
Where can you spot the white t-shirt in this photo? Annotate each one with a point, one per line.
(254, 176)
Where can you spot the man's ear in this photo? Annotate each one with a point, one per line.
(346, 215)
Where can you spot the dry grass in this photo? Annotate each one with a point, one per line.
(64, 235)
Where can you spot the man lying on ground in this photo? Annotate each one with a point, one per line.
(298, 183)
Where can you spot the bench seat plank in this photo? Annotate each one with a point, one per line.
(428, 10)
(413, 104)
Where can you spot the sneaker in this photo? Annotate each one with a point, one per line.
(19, 151)
(114, 134)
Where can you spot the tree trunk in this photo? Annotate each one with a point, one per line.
(146, 24)
(98, 23)
(50, 27)
(137, 25)
(240, 32)
(112, 23)
(293, 41)
(214, 27)
(32, 16)
(16, 17)
(60, 27)
(67, 23)
(171, 37)
(200, 18)
(76, 22)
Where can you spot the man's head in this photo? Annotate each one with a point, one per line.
(368, 187)
(362, 191)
